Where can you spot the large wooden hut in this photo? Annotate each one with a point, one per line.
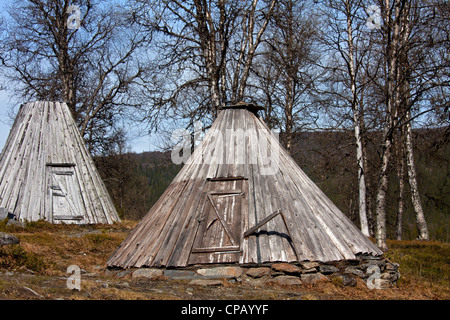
(47, 173)
(241, 199)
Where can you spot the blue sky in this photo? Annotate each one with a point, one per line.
(5, 120)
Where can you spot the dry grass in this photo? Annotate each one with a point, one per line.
(40, 261)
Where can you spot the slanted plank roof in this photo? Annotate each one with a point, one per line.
(241, 198)
(46, 171)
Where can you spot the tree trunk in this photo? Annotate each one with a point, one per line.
(401, 190)
(381, 234)
(288, 109)
(361, 180)
(252, 45)
(405, 89)
(357, 126)
(420, 216)
(392, 41)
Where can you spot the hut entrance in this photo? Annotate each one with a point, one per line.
(64, 193)
(219, 217)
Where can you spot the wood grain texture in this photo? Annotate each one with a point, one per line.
(187, 224)
(46, 171)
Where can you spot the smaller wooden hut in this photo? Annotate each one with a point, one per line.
(47, 173)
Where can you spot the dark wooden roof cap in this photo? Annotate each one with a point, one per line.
(243, 105)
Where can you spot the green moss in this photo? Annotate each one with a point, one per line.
(425, 260)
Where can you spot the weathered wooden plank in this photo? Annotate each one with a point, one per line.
(250, 246)
(61, 165)
(216, 249)
(67, 217)
(261, 223)
(185, 242)
(230, 178)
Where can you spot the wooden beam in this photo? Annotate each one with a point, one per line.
(227, 192)
(60, 165)
(227, 178)
(216, 249)
(61, 217)
(261, 223)
(290, 236)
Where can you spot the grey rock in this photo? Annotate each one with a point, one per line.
(257, 282)
(346, 280)
(124, 273)
(8, 239)
(258, 272)
(309, 264)
(15, 223)
(380, 263)
(310, 270)
(313, 277)
(150, 274)
(220, 272)
(286, 268)
(285, 281)
(328, 269)
(181, 274)
(355, 271)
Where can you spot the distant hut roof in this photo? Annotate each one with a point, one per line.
(46, 171)
(241, 198)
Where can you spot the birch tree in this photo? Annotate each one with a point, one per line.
(414, 68)
(345, 34)
(392, 18)
(285, 71)
(207, 49)
(83, 54)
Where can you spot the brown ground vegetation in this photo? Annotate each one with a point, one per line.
(37, 269)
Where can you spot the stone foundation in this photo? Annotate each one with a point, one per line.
(377, 272)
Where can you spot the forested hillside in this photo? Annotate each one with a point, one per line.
(327, 158)
(136, 181)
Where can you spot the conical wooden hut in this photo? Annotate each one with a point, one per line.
(47, 173)
(241, 199)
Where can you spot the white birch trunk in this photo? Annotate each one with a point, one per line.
(411, 168)
(391, 114)
(357, 128)
(420, 216)
(401, 193)
(361, 183)
(381, 196)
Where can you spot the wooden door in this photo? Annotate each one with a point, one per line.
(66, 202)
(219, 218)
